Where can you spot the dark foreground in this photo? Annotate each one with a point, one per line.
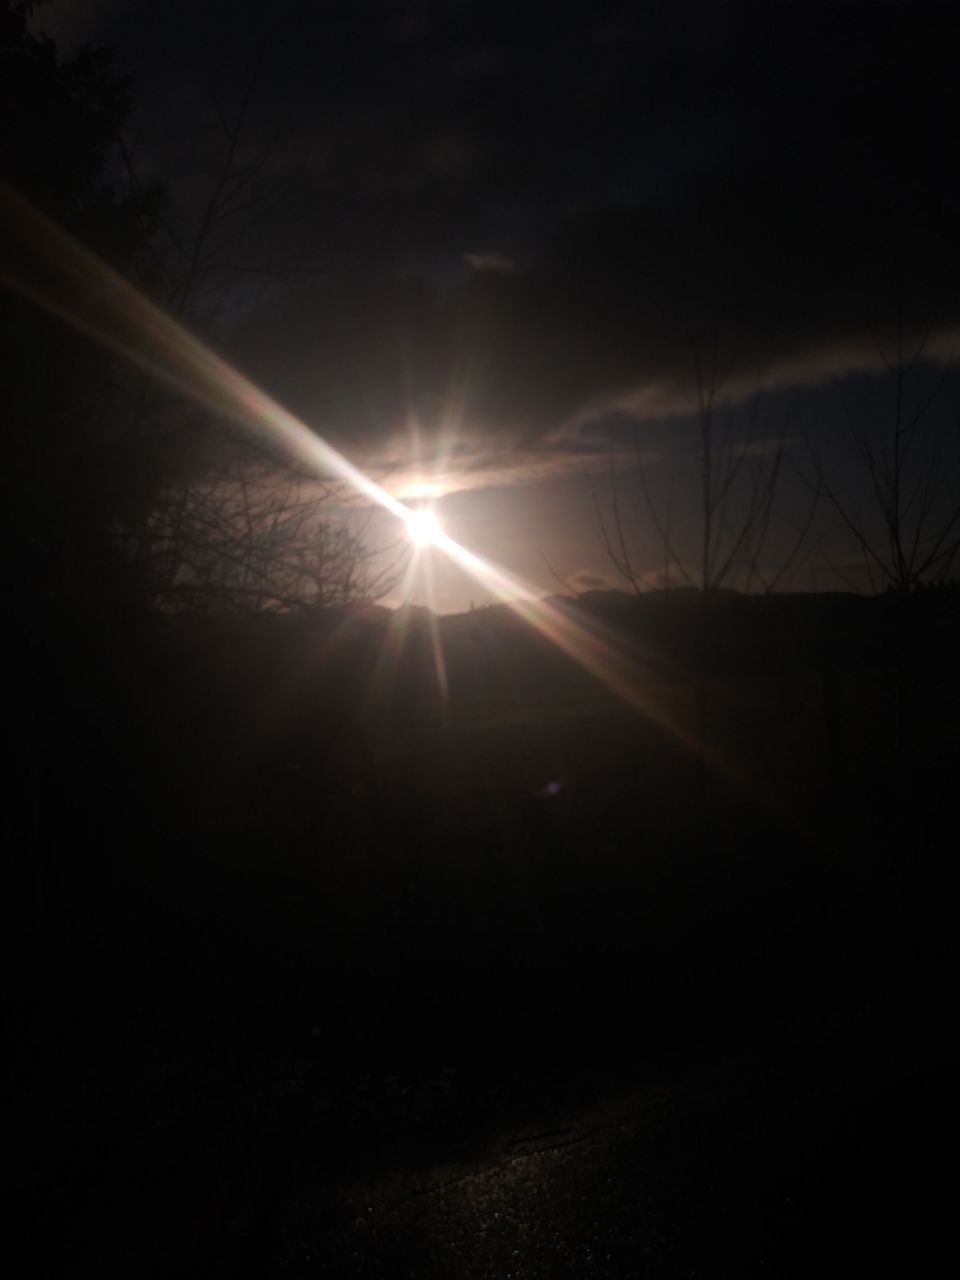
(818, 1145)
(309, 983)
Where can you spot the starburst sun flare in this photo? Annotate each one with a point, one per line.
(92, 297)
(424, 528)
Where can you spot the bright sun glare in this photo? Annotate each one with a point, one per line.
(131, 325)
(424, 528)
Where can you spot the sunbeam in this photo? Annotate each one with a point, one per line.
(58, 273)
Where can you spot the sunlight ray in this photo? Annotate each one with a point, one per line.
(89, 295)
(436, 641)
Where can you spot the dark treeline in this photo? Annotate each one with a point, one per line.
(240, 768)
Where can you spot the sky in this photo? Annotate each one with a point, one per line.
(502, 251)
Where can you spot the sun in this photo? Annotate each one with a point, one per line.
(423, 528)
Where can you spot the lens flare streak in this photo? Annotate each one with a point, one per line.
(59, 274)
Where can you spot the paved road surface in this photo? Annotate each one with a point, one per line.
(806, 1150)
(823, 1145)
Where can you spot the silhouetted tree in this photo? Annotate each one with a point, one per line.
(66, 475)
(737, 485)
(247, 535)
(234, 527)
(69, 472)
(909, 533)
(902, 507)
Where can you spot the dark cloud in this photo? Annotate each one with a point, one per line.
(778, 177)
(616, 310)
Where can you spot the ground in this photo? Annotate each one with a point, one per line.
(818, 1144)
(317, 982)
